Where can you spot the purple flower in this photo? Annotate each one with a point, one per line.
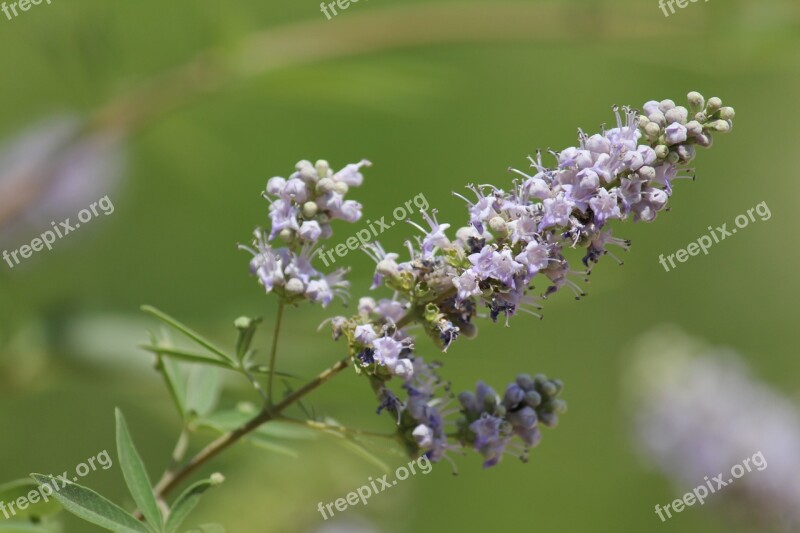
(604, 206)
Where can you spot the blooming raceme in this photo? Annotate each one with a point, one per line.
(514, 238)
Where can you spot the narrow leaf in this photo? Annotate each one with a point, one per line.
(136, 476)
(264, 369)
(186, 503)
(14, 490)
(203, 390)
(90, 506)
(187, 355)
(173, 377)
(199, 339)
(224, 421)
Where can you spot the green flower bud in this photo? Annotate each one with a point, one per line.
(696, 101)
(498, 225)
(662, 151)
(673, 157)
(652, 130)
(713, 106)
(727, 113)
(310, 209)
(323, 168)
(642, 121)
(341, 187)
(701, 117)
(286, 235)
(722, 126)
(217, 478)
(325, 185)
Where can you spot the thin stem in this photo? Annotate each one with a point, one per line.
(256, 385)
(273, 355)
(170, 480)
(313, 424)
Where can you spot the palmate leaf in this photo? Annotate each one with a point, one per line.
(136, 476)
(187, 501)
(90, 506)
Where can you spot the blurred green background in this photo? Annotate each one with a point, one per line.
(432, 116)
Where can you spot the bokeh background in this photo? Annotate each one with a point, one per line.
(437, 95)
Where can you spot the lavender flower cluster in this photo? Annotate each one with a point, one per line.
(512, 236)
(301, 210)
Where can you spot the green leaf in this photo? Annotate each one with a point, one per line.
(264, 369)
(136, 476)
(202, 391)
(173, 377)
(224, 421)
(188, 356)
(199, 339)
(90, 506)
(247, 328)
(20, 488)
(186, 503)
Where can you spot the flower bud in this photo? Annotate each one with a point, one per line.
(648, 173)
(666, 105)
(310, 209)
(658, 118)
(701, 117)
(705, 140)
(295, 286)
(696, 101)
(642, 121)
(727, 113)
(673, 157)
(306, 171)
(533, 398)
(217, 478)
(323, 168)
(662, 151)
(498, 225)
(286, 235)
(678, 114)
(341, 187)
(713, 106)
(325, 185)
(275, 185)
(686, 152)
(652, 130)
(722, 126)
(694, 128)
